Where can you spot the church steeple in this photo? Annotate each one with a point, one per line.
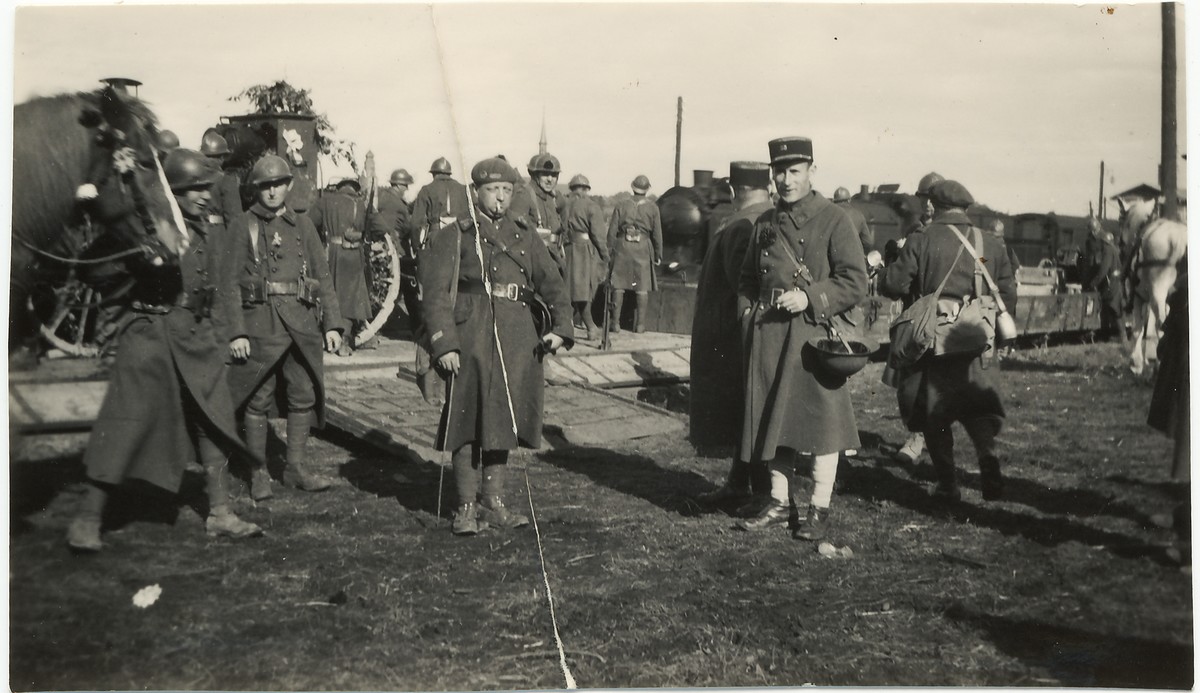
(542, 141)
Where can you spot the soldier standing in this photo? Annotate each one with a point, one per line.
(540, 205)
(340, 218)
(940, 390)
(635, 248)
(168, 400)
(584, 250)
(391, 218)
(804, 267)
(718, 383)
(289, 311)
(1101, 272)
(486, 343)
(442, 201)
(841, 197)
(227, 191)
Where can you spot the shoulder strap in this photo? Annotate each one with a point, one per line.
(981, 269)
(252, 224)
(787, 247)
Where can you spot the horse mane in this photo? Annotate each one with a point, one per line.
(51, 152)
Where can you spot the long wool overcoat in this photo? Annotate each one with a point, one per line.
(939, 390)
(633, 261)
(718, 384)
(541, 208)
(584, 246)
(1170, 406)
(163, 361)
(341, 217)
(478, 403)
(287, 248)
(790, 402)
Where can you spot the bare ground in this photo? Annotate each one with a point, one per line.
(1064, 583)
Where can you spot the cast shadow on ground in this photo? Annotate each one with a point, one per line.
(412, 483)
(876, 478)
(1078, 658)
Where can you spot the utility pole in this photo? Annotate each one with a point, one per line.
(678, 136)
(1169, 166)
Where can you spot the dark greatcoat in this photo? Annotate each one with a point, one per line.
(865, 235)
(1101, 272)
(718, 384)
(789, 401)
(939, 390)
(542, 210)
(443, 197)
(633, 263)
(166, 363)
(477, 405)
(583, 242)
(274, 326)
(226, 203)
(391, 218)
(1170, 406)
(340, 218)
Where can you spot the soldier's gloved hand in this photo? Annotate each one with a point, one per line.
(333, 341)
(553, 342)
(794, 301)
(449, 362)
(239, 349)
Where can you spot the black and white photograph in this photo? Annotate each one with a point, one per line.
(477, 346)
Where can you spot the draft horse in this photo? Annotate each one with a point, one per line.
(1155, 247)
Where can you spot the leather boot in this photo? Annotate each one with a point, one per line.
(493, 512)
(84, 533)
(940, 444)
(221, 522)
(774, 513)
(815, 525)
(297, 454)
(643, 302)
(983, 435)
(593, 331)
(256, 442)
(614, 312)
(733, 490)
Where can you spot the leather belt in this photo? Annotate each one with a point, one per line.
(283, 288)
(198, 301)
(348, 245)
(512, 292)
(260, 291)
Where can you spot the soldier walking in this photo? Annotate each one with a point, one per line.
(805, 266)
(635, 248)
(289, 311)
(440, 202)
(168, 400)
(340, 218)
(718, 381)
(585, 251)
(484, 342)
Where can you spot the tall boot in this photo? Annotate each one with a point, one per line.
(221, 522)
(983, 435)
(940, 443)
(593, 331)
(643, 302)
(256, 442)
(614, 311)
(297, 454)
(84, 533)
(491, 500)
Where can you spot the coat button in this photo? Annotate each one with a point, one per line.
(274, 269)
(522, 252)
(801, 241)
(517, 235)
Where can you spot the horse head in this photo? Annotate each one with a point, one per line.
(1135, 216)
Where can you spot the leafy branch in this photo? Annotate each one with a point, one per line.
(283, 98)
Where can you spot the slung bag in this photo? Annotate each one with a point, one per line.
(969, 326)
(914, 332)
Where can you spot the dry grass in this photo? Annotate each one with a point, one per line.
(1063, 583)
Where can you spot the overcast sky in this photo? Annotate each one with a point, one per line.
(1021, 103)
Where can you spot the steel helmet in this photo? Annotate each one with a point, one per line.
(544, 163)
(400, 177)
(841, 195)
(189, 170)
(927, 183)
(442, 165)
(640, 184)
(580, 181)
(269, 169)
(166, 140)
(212, 144)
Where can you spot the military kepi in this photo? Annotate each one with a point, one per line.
(951, 193)
(786, 149)
(494, 170)
(752, 174)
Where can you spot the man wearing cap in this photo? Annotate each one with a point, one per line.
(226, 204)
(485, 343)
(841, 197)
(340, 218)
(440, 202)
(289, 311)
(584, 250)
(718, 384)
(942, 389)
(635, 247)
(803, 270)
(540, 205)
(168, 401)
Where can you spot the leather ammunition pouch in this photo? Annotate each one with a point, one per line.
(632, 234)
(307, 291)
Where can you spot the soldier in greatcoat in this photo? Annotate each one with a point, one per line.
(340, 218)
(168, 400)
(391, 217)
(226, 204)
(539, 203)
(289, 311)
(804, 267)
(841, 197)
(1102, 274)
(486, 343)
(585, 250)
(635, 248)
(439, 202)
(718, 387)
(942, 389)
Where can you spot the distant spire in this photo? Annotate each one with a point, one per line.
(542, 141)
